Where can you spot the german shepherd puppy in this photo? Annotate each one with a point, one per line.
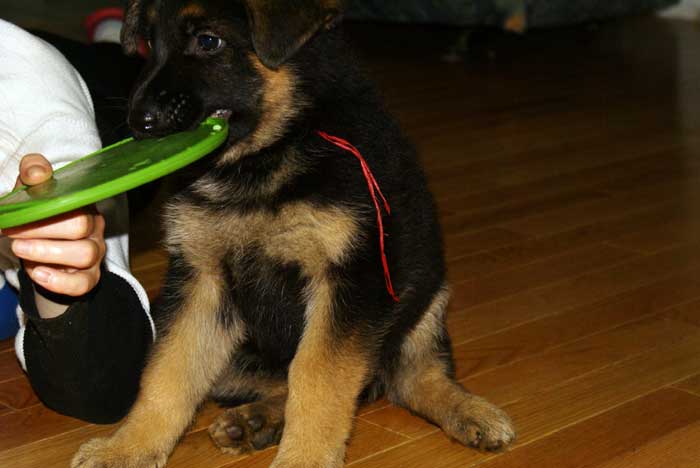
(276, 290)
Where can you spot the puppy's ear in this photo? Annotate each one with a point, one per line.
(132, 24)
(281, 28)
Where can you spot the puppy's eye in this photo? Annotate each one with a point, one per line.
(209, 43)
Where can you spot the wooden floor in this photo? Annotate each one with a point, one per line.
(566, 165)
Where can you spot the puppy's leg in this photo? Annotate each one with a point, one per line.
(325, 379)
(181, 371)
(423, 384)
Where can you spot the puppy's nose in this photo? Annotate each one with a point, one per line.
(143, 122)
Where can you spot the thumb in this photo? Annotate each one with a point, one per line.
(33, 170)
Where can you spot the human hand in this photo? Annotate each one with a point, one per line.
(62, 254)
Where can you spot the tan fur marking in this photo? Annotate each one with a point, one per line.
(185, 364)
(325, 379)
(421, 369)
(280, 104)
(422, 384)
(192, 10)
(299, 233)
(422, 338)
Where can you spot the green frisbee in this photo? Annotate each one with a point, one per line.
(109, 172)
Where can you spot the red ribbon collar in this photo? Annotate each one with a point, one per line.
(373, 191)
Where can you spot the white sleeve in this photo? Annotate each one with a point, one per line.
(45, 107)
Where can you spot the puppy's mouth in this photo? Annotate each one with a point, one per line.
(225, 114)
(222, 114)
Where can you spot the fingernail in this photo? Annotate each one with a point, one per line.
(20, 247)
(35, 171)
(41, 276)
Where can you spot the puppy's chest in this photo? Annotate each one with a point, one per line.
(299, 234)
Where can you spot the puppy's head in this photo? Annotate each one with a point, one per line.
(220, 57)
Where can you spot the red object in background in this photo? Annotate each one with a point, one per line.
(93, 20)
(103, 14)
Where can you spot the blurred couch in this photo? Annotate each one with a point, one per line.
(511, 14)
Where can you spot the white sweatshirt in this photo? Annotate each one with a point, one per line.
(45, 107)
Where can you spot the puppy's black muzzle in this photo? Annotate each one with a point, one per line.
(163, 114)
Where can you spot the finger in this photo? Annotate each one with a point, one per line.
(75, 225)
(98, 235)
(34, 169)
(69, 283)
(98, 227)
(80, 254)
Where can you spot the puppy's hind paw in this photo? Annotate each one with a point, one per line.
(482, 425)
(104, 453)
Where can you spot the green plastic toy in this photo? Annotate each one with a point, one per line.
(109, 172)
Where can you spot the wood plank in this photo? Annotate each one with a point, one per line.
(6, 345)
(541, 413)
(9, 366)
(32, 424)
(528, 250)
(593, 393)
(580, 214)
(677, 449)
(570, 323)
(689, 311)
(588, 288)
(367, 408)
(573, 359)
(477, 209)
(17, 393)
(438, 145)
(460, 222)
(399, 420)
(535, 337)
(52, 452)
(151, 279)
(487, 239)
(479, 289)
(515, 169)
(149, 259)
(663, 235)
(615, 437)
(522, 256)
(607, 177)
(691, 385)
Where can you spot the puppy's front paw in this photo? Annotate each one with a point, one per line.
(482, 425)
(105, 453)
(250, 427)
